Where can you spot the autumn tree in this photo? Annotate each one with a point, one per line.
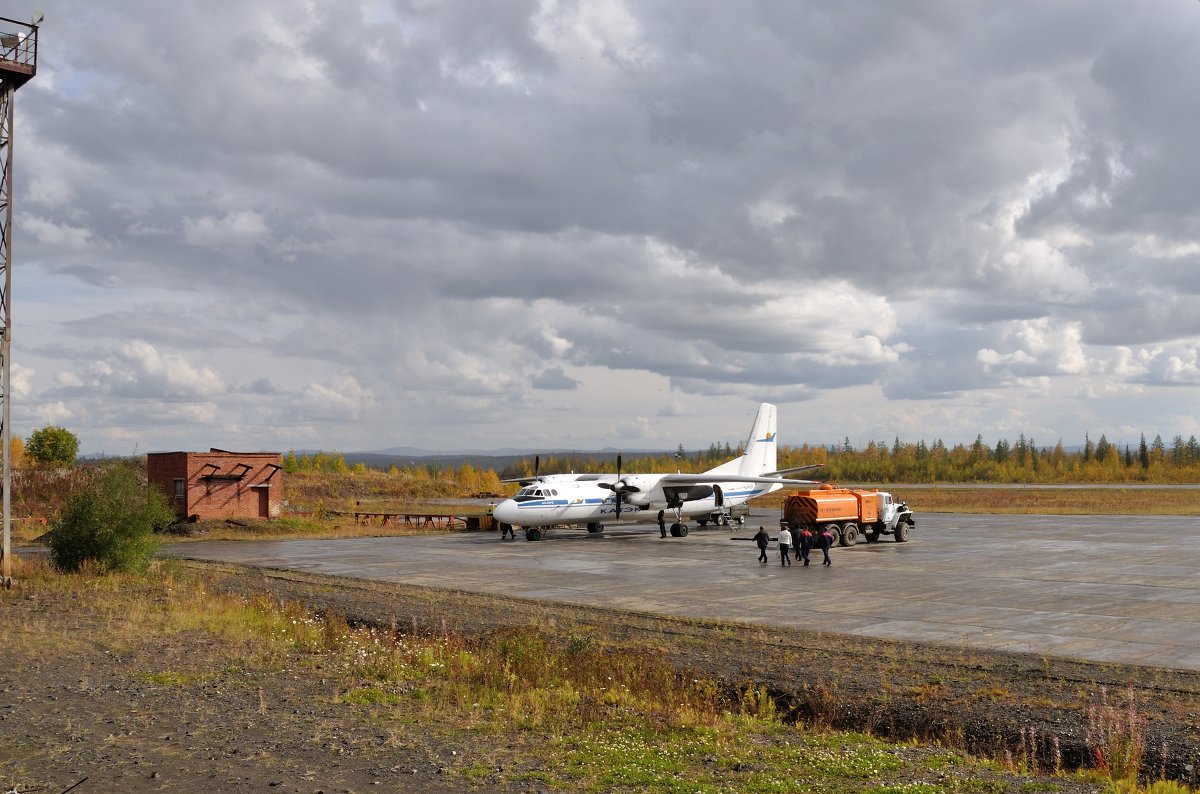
(52, 446)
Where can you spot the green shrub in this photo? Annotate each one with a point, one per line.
(110, 520)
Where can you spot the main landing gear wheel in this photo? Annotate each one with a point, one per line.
(704, 522)
(533, 533)
(679, 530)
(849, 534)
(594, 528)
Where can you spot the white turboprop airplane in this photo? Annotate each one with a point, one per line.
(591, 499)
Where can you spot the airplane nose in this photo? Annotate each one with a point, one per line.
(506, 512)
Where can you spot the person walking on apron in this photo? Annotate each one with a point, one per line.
(785, 543)
(762, 539)
(804, 544)
(826, 542)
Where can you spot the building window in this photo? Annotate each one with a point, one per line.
(180, 491)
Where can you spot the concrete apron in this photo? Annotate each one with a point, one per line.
(1103, 588)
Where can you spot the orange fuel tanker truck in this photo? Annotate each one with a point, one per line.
(848, 511)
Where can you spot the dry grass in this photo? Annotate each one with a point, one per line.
(1056, 501)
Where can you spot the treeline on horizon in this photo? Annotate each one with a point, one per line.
(1021, 462)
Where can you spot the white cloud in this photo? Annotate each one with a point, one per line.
(345, 399)
(1154, 248)
(1036, 349)
(244, 227)
(138, 370)
(60, 235)
(54, 413)
(22, 380)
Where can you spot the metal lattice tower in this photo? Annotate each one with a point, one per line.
(18, 64)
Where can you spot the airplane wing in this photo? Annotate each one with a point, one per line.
(708, 479)
(793, 470)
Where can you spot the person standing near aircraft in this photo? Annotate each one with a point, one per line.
(762, 539)
(826, 542)
(785, 542)
(662, 525)
(804, 543)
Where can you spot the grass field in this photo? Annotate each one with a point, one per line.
(1058, 501)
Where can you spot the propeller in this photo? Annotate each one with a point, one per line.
(619, 489)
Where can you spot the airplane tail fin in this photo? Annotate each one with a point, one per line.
(759, 455)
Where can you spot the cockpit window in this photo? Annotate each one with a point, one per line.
(533, 492)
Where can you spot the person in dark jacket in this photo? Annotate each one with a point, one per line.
(826, 542)
(762, 539)
(804, 543)
(662, 525)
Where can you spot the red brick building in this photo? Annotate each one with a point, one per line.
(219, 484)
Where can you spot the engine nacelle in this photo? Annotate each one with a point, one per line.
(677, 495)
(636, 499)
(634, 490)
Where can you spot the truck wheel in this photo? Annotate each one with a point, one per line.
(872, 535)
(849, 534)
(741, 520)
(900, 533)
(836, 530)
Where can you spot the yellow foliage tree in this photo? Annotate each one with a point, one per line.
(16, 453)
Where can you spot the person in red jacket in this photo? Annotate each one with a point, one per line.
(826, 542)
(804, 542)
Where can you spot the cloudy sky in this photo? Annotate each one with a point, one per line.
(292, 224)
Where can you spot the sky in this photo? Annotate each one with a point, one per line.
(540, 224)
